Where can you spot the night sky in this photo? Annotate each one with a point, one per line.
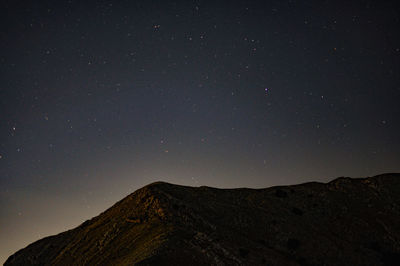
(101, 98)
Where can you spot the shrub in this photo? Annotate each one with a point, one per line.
(297, 211)
(293, 243)
(244, 253)
(281, 193)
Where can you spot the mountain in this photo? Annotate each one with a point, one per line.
(344, 222)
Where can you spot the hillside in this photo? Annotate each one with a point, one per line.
(344, 222)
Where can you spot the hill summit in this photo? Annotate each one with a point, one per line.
(344, 222)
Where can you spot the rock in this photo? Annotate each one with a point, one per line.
(344, 222)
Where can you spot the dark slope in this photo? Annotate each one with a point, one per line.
(344, 222)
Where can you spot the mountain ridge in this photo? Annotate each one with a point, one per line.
(347, 221)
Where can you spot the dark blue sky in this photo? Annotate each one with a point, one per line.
(102, 97)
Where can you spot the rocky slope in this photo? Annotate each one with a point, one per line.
(344, 222)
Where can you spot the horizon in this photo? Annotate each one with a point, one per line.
(99, 99)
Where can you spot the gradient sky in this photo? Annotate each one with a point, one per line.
(100, 98)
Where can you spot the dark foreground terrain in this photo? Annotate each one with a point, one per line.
(344, 222)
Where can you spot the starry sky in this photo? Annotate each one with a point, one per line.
(100, 98)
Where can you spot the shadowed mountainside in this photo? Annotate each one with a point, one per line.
(344, 222)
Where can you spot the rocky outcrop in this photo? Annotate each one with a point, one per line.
(344, 222)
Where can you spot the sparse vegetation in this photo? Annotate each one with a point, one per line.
(176, 225)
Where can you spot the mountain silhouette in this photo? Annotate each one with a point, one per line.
(344, 222)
